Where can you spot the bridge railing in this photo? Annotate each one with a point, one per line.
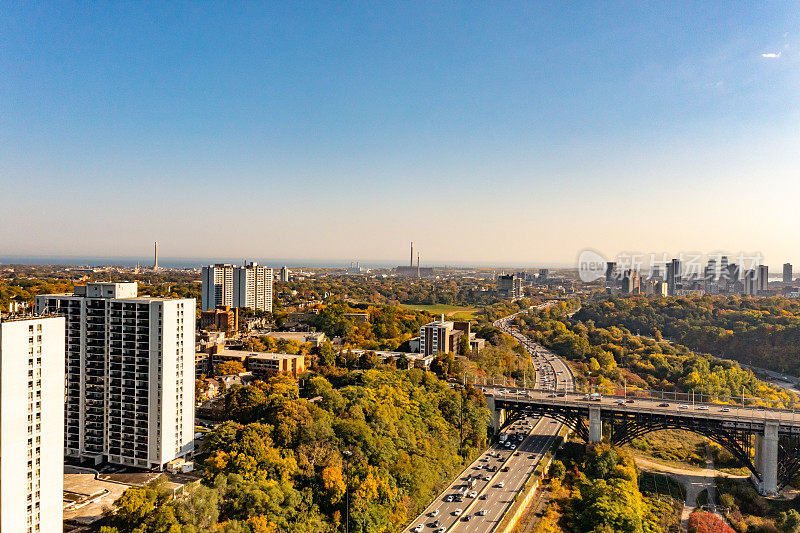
(741, 404)
(736, 413)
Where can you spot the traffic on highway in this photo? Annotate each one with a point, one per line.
(483, 493)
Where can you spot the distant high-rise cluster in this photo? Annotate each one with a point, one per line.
(715, 277)
(237, 286)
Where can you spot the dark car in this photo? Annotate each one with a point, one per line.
(663, 405)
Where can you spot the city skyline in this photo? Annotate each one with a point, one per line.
(548, 129)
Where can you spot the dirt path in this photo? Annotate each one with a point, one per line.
(649, 464)
(693, 480)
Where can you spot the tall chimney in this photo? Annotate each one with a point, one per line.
(417, 264)
(411, 263)
(155, 258)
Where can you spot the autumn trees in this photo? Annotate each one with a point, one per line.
(278, 464)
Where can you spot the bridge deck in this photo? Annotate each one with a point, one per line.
(729, 414)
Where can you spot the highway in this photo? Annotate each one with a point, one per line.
(500, 471)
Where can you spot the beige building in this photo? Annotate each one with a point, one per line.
(300, 337)
(441, 336)
(263, 364)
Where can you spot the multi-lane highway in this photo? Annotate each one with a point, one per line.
(484, 492)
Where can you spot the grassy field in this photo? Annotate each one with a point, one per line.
(452, 312)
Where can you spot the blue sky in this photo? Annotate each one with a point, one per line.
(508, 132)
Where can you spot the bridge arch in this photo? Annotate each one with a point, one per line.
(768, 448)
(740, 444)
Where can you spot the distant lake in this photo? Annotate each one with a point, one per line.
(198, 262)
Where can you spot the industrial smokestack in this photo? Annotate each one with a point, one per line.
(411, 263)
(155, 255)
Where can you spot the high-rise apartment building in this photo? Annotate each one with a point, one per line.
(31, 424)
(129, 396)
(611, 272)
(750, 282)
(217, 286)
(235, 286)
(787, 272)
(710, 275)
(674, 277)
(763, 277)
(284, 274)
(631, 282)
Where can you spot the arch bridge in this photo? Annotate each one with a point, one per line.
(766, 441)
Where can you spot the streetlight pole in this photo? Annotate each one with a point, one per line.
(347, 454)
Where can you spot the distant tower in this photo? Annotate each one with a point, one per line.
(411, 262)
(417, 264)
(155, 259)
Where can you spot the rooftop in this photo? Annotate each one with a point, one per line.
(257, 355)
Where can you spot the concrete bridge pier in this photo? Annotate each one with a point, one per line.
(766, 458)
(595, 425)
(498, 415)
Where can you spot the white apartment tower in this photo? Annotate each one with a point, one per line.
(129, 374)
(235, 286)
(31, 424)
(217, 286)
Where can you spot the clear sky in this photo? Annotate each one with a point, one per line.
(489, 131)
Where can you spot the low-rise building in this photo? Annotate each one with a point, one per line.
(263, 364)
(476, 344)
(442, 336)
(223, 318)
(314, 337)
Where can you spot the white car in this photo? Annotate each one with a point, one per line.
(434, 513)
(419, 528)
(487, 477)
(472, 494)
(701, 408)
(501, 485)
(440, 530)
(458, 512)
(482, 512)
(683, 407)
(513, 446)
